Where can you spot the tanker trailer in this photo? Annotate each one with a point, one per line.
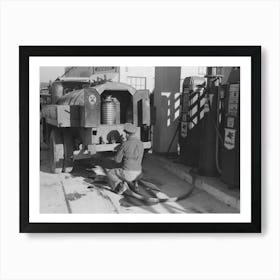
(85, 119)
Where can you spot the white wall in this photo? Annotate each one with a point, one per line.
(147, 72)
(139, 256)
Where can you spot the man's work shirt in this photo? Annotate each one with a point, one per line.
(131, 154)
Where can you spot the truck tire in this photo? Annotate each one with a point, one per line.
(56, 151)
(68, 162)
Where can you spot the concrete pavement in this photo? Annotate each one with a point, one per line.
(76, 193)
(211, 185)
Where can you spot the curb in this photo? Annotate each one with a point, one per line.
(183, 173)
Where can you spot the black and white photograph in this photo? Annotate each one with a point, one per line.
(128, 139)
(142, 137)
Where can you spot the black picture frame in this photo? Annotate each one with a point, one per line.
(25, 52)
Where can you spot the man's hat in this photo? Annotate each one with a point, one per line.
(130, 128)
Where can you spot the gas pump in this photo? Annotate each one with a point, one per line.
(192, 99)
(209, 127)
(210, 134)
(230, 155)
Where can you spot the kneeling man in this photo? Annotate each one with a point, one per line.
(130, 154)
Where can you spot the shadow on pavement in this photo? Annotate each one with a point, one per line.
(106, 160)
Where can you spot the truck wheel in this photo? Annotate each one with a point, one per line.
(56, 151)
(68, 150)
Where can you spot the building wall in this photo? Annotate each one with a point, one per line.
(78, 71)
(149, 74)
(167, 104)
(134, 76)
(138, 77)
(89, 72)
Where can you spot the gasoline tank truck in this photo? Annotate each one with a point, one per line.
(85, 118)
